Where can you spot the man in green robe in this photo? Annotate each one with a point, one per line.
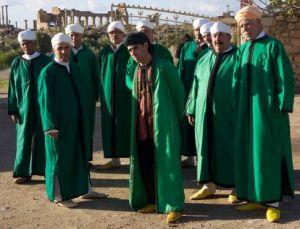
(65, 118)
(190, 54)
(209, 108)
(155, 182)
(87, 63)
(205, 33)
(115, 97)
(157, 50)
(263, 97)
(24, 110)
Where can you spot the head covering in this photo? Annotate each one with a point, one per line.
(248, 12)
(136, 38)
(205, 28)
(220, 27)
(142, 24)
(116, 25)
(60, 38)
(199, 22)
(26, 35)
(74, 28)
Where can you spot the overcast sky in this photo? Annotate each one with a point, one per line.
(19, 10)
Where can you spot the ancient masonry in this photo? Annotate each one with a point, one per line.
(287, 30)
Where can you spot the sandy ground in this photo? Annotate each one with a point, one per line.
(26, 206)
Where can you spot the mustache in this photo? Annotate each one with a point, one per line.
(219, 43)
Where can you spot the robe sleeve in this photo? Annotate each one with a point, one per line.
(12, 99)
(130, 70)
(285, 81)
(46, 101)
(95, 74)
(191, 100)
(181, 62)
(176, 88)
(167, 55)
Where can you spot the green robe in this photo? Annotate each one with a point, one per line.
(210, 103)
(264, 94)
(157, 50)
(115, 102)
(186, 68)
(64, 107)
(22, 100)
(167, 100)
(87, 63)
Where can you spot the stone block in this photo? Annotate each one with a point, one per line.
(295, 42)
(292, 19)
(295, 33)
(267, 21)
(280, 18)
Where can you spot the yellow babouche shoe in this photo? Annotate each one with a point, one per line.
(232, 198)
(109, 165)
(173, 217)
(250, 207)
(273, 214)
(201, 194)
(148, 209)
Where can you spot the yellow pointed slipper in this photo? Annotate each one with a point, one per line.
(201, 194)
(148, 209)
(232, 198)
(109, 165)
(173, 217)
(250, 207)
(272, 214)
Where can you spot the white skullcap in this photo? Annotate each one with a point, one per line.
(220, 27)
(26, 35)
(142, 24)
(74, 28)
(199, 22)
(60, 38)
(205, 28)
(115, 25)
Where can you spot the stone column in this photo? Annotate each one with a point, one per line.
(3, 23)
(16, 25)
(72, 16)
(66, 18)
(100, 21)
(93, 21)
(6, 14)
(86, 21)
(26, 25)
(0, 18)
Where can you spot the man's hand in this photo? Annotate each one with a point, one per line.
(54, 135)
(191, 120)
(15, 118)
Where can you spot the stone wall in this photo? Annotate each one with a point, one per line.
(287, 30)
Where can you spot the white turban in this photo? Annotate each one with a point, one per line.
(199, 22)
(248, 12)
(115, 25)
(60, 38)
(205, 28)
(74, 28)
(220, 27)
(142, 24)
(26, 35)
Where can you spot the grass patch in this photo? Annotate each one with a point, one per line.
(3, 86)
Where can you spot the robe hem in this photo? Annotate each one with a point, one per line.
(216, 183)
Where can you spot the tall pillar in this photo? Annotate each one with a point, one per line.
(94, 21)
(86, 21)
(72, 16)
(26, 25)
(3, 23)
(16, 25)
(0, 18)
(66, 18)
(6, 14)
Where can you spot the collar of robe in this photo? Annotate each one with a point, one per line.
(32, 56)
(117, 47)
(75, 51)
(65, 64)
(260, 37)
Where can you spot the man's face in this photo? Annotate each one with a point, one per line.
(198, 35)
(207, 39)
(116, 36)
(138, 51)
(28, 47)
(76, 39)
(62, 52)
(221, 41)
(148, 32)
(250, 29)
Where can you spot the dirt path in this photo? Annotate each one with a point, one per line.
(26, 206)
